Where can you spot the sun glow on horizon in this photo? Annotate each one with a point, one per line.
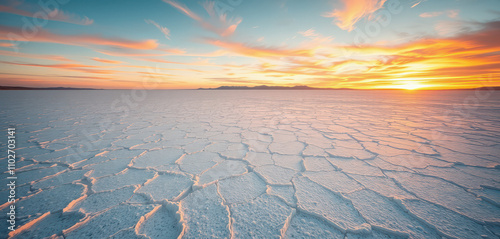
(410, 85)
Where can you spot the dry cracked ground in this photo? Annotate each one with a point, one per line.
(254, 164)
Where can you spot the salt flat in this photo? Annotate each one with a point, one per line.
(254, 164)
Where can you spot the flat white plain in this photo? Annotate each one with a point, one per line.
(255, 164)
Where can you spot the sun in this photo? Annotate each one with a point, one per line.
(411, 85)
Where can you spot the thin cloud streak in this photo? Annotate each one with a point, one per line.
(106, 61)
(353, 11)
(71, 67)
(41, 35)
(164, 30)
(34, 56)
(54, 15)
(449, 13)
(218, 24)
(184, 9)
(257, 51)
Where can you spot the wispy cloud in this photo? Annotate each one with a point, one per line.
(184, 9)
(430, 14)
(417, 3)
(106, 61)
(353, 11)
(219, 24)
(126, 52)
(54, 15)
(6, 33)
(257, 51)
(453, 28)
(34, 56)
(196, 63)
(240, 81)
(309, 33)
(316, 37)
(164, 30)
(449, 13)
(452, 13)
(7, 45)
(71, 67)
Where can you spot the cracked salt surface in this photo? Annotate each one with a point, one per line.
(255, 164)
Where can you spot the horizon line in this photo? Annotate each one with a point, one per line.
(266, 87)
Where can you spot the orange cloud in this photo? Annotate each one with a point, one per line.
(449, 13)
(34, 56)
(184, 9)
(430, 14)
(124, 52)
(7, 45)
(71, 67)
(39, 35)
(354, 10)
(416, 4)
(257, 51)
(197, 63)
(54, 15)
(106, 61)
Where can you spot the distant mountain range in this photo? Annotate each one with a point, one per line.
(47, 88)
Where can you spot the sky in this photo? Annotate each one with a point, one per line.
(181, 44)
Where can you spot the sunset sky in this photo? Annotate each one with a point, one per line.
(180, 44)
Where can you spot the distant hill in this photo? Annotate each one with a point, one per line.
(47, 88)
(486, 88)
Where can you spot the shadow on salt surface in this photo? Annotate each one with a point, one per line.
(222, 170)
(109, 222)
(100, 201)
(306, 226)
(170, 187)
(63, 178)
(157, 158)
(125, 178)
(51, 224)
(108, 168)
(38, 206)
(164, 221)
